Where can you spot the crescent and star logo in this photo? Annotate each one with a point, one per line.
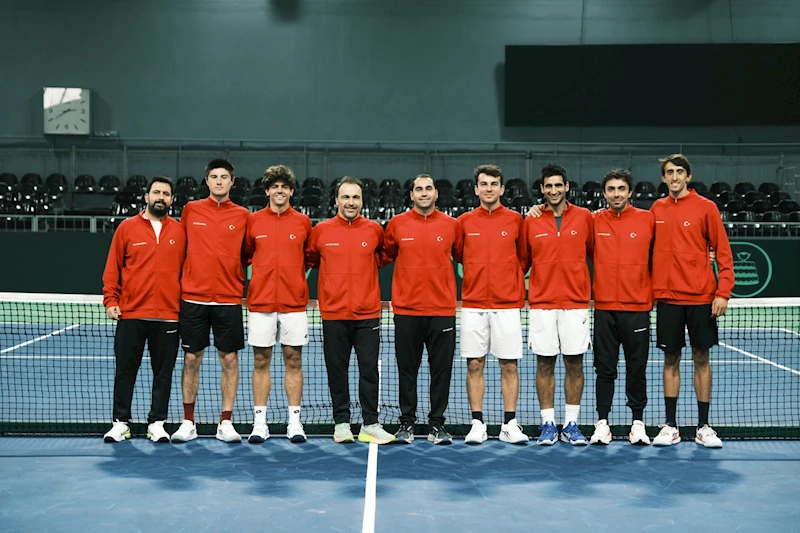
(363, 244)
(231, 227)
(292, 236)
(686, 223)
(633, 235)
(504, 233)
(172, 241)
(439, 238)
(573, 232)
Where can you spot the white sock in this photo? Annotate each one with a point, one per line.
(294, 414)
(548, 415)
(572, 414)
(261, 414)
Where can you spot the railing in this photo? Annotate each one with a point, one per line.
(328, 160)
(107, 224)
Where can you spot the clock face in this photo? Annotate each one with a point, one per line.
(66, 111)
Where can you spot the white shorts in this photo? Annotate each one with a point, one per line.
(495, 331)
(264, 329)
(551, 328)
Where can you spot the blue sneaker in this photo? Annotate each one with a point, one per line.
(570, 433)
(549, 434)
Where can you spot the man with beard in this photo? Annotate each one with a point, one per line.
(623, 299)
(212, 290)
(141, 291)
(557, 245)
(422, 242)
(277, 297)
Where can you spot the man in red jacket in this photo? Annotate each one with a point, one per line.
(347, 249)
(277, 297)
(687, 293)
(623, 299)
(493, 291)
(212, 290)
(556, 247)
(422, 241)
(141, 291)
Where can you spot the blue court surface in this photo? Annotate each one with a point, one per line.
(80, 484)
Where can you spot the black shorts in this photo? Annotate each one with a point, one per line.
(197, 321)
(673, 320)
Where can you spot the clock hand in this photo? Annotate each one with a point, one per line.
(63, 112)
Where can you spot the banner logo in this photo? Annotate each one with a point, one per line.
(752, 269)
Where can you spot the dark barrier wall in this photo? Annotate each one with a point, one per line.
(73, 263)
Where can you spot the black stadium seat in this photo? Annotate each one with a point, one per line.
(743, 187)
(84, 184)
(718, 186)
(9, 178)
(110, 184)
(644, 187)
(768, 187)
(58, 179)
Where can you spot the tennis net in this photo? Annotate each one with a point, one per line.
(57, 376)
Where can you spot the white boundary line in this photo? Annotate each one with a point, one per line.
(368, 524)
(767, 361)
(37, 339)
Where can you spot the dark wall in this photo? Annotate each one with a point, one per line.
(352, 70)
(69, 263)
(73, 263)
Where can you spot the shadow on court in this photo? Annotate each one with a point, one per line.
(320, 485)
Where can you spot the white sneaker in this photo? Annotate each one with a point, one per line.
(667, 436)
(602, 433)
(186, 432)
(707, 437)
(295, 432)
(477, 434)
(119, 432)
(638, 435)
(156, 432)
(512, 432)
(342, 433)
(227, 433)
(259, 434)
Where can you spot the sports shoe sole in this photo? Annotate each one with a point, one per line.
(546, 442)
(604, 441)
(440, 442)
(583, 442)
(181, 439)
(639, 442)
(112, 439)
(256, 439)
(404, 440)
(344, 440)
(296, 438)
(703, 443)
(665, 444)
(364, 437)
(231, 440)
(508, 440)
(162, 439)
(474, 441)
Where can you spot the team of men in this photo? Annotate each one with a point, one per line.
(638, 257)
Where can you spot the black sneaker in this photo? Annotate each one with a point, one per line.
(438, 435)
(405, 434)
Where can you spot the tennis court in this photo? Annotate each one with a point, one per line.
(56, 374)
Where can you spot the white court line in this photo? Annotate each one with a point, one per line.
(748, 354)
(788, 331)
(368, 525)
(37, 339)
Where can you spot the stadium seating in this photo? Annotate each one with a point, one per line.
(109, 184)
